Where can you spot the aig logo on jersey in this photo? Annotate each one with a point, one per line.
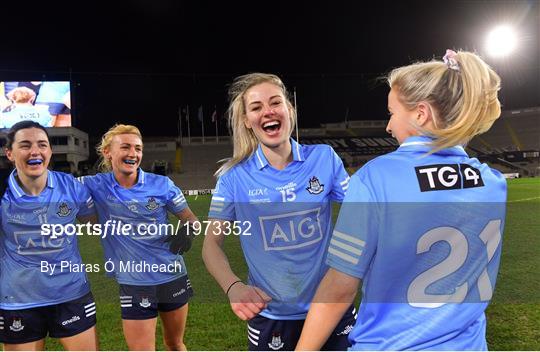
(448, 176)
(33, 243)
(291, 230)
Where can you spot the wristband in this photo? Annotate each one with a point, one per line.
(231, 285)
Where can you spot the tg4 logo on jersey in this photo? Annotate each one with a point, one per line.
(441, 177)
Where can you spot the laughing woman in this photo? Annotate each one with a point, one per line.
(277, 194)
(36, 302)
(128, 196)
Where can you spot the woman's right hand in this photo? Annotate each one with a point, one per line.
(247, 301)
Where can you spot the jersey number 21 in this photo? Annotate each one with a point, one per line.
(416, 293)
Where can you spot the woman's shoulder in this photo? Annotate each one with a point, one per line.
(310, 149)
(66, 182)
(382, 164)
(96, 177)
(95, 180)
(60, 176)
(154, 180)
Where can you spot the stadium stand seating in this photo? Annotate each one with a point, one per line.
(512, 145)
(513, 142)
(199, 162)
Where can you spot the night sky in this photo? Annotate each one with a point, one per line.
(138, 61)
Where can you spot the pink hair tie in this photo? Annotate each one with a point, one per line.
(450, 60)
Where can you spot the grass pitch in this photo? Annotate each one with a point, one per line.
(513, 316)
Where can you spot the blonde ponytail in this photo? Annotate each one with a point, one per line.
(462, 96)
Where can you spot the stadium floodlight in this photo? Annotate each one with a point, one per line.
(501, 41)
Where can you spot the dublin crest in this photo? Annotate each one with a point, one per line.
(276, 343)
(17, 325)
(152, 204)
(145, 303)
(63, 210)
(315, 186)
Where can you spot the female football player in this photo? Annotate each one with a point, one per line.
(421, 226)
(39, 294)
(276, 195)
(152, 276)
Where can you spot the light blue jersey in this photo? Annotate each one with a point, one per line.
(424, 234)
(143, 206)
(284, 217)
(38, 113)
(52, 92)
(23, 282)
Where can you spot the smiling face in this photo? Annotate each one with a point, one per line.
(30, 152)
(125, 153)
(268, 114)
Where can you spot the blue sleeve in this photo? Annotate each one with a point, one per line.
(176, 202)
(84, 199)
(45, 116)
(354, 240)
(222, 205)
(64, 87)
(88, 182)
(340, 182)
(3, 118)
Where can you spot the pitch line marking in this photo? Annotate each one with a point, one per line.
(523, 200)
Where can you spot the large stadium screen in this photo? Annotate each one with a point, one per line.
(45, 102)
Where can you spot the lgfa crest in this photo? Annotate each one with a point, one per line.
(16, 325)
(145, 303)
(152, 204)
(63, 210)
(276, 343)
(315, 186)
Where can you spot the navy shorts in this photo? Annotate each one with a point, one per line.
(58, 108)
(57, 320)
(144, 302)
(266, 334)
